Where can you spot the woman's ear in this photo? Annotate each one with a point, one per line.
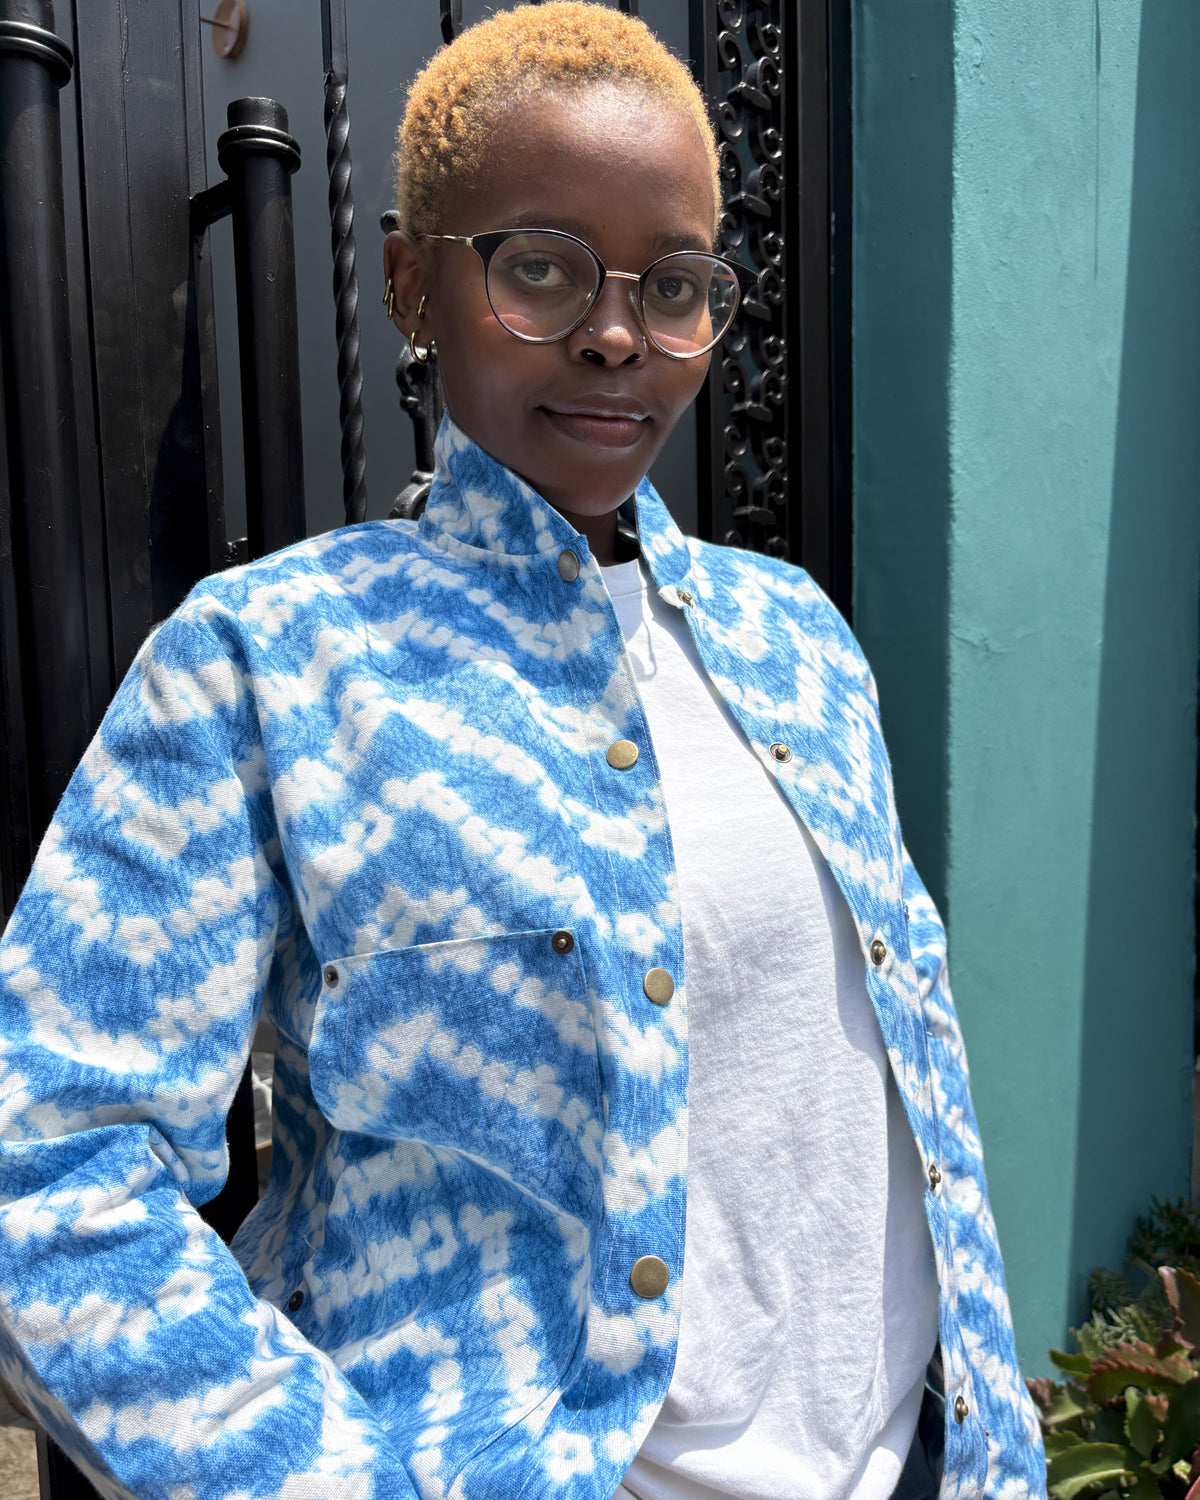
(406, 270)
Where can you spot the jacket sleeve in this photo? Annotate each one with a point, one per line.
(131, 977)
(1015, 1462)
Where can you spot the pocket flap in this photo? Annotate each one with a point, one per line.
(484, 1045)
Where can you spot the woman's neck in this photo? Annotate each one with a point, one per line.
(601, 533)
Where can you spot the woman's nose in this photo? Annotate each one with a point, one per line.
(612, 332)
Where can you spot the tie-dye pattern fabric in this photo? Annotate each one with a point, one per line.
(357, 788)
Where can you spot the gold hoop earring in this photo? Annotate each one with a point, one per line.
(389, 295)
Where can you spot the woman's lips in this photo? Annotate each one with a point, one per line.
(602, 431)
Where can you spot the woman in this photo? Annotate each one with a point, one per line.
(455, 805)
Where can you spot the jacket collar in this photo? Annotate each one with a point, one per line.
(478, 507)
(481, 510)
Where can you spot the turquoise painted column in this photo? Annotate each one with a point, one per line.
(1027, 405)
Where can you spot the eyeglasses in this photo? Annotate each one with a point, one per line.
(541, 285)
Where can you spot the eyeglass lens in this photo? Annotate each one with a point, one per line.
(540, 286)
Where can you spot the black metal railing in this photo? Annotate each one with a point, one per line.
(259, 156)
(46, 694)
(43, 654)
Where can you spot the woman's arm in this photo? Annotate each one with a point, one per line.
(1015, 1460)
(131, 978)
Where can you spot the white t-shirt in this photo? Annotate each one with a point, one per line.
(809, 1301)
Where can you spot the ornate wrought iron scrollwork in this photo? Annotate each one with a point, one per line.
(741, 58)
(421, 401)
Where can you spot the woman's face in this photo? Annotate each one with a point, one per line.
(583, 418)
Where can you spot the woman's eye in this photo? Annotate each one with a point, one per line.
(538, 272)
(674, 290)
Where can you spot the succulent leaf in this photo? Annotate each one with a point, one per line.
(1183, 1295)
(1181, 1430)
(1058, 1404)
(1081, 1465)
(1136, 1364)
(1141, 1425)
(1168, 1236)
(1122, 1421)
(1042, 1390)
(1064, 1406)
(1144, 1487)
(1172, 1342)
(1105, 1424)
(1058, 1442)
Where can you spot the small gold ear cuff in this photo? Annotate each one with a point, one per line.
(421, 355)
(389, 295)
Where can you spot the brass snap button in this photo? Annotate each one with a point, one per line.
(331, 975)
(296, 1301)
(568, 566)
(781, 753)
(658, 986)
(621, 754)
(684, 596)
(649, 1276)
(934, 1176)
(562, 942)
(878, 951)
(961, 1409)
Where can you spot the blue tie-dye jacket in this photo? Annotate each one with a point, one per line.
(360, 789)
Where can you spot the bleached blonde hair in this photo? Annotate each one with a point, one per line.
(454, 101)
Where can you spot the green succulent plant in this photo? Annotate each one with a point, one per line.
(1124, 1424)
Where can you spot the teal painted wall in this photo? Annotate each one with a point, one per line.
(1027, 410)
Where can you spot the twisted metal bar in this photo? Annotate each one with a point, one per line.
(345, 277)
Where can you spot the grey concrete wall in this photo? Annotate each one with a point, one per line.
(388, 43)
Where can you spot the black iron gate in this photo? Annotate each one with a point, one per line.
(773, 430)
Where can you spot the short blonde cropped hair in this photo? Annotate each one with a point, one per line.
(454, 101)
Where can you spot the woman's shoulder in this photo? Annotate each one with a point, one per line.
(340, 556)
(323, 575)
(757, 581)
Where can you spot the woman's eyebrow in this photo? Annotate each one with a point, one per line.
(687, 240)
(539, 219)
(661, 244)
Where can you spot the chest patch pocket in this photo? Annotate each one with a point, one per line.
(485, 1046)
